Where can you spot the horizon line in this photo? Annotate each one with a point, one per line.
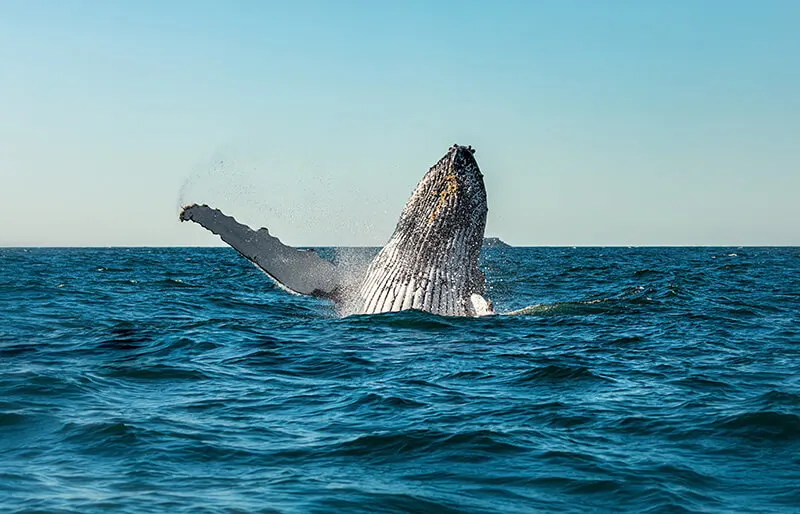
(9, 247)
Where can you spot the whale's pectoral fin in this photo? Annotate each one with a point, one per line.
(299, 271)
(480, 305)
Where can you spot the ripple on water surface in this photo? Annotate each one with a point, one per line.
(639, 380)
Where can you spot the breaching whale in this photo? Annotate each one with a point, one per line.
(430, 263)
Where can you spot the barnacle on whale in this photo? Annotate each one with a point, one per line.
(450, 188)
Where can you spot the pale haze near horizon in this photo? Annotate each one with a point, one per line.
(595, 123)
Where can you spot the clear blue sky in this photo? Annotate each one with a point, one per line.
(595, 122)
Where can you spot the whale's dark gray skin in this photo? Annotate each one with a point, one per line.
(430, 263)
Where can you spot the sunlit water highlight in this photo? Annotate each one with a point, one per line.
(182, 380)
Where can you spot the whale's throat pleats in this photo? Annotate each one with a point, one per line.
(430, 262)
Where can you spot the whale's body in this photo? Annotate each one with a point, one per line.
(430, 263)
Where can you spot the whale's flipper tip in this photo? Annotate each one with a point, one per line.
(187, 212)
(298, 271)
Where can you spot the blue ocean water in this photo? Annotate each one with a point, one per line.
(182, 380)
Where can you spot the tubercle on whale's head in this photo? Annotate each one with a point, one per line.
(458, 182)
(459, 159)
(450, 199)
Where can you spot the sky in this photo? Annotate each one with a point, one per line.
(595, 123)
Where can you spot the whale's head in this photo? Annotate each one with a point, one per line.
(431, 260)
(448, 207)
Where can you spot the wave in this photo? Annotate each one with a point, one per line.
(462, 446)
(761, 426)
(408, 319)
(558, 373)
(646, 380)
(153, 372)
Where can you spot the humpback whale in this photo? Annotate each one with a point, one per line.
(430, 263)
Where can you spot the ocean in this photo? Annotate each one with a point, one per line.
(180, 380)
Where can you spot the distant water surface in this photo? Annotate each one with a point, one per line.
(181, 380)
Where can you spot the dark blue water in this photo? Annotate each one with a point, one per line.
(182, 380)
